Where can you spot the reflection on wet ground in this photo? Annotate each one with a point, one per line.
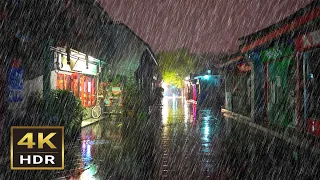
(188, 140)
(184, 148)
(97, 142)
(179, 141)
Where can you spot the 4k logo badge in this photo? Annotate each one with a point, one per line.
(37, 148)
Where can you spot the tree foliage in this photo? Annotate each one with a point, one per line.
(176, 65)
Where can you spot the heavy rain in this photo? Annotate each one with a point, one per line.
(159, 89)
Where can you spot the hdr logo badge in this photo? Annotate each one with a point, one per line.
(37, 148)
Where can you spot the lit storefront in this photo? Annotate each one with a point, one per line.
(79, 76)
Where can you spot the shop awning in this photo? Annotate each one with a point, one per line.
(78, 62)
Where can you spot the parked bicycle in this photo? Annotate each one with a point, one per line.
(96, 110)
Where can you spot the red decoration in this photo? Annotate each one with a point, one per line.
(70, 83)
(314, 127)
(16, 63)
(282, 30)
(307, 41)
(244, 67)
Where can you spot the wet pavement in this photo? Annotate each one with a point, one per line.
(184, 146)
(179, 141)
(182, 141)
(189, 140)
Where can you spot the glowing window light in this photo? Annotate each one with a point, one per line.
(89, 87)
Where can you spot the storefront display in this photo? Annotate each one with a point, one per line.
(85, 91)
(79, 76)
(279, 84)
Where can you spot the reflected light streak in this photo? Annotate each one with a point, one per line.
(194, 120)
(194, 108)
(174, 105)
(88, 152)
(206, 131)
(88, 174)
(186, 112)
(165, 110)
(194, 92)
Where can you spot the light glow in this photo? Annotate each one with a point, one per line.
(165, 110)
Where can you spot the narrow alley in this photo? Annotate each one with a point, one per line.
(186, 144)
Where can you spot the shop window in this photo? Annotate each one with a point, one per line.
(82, 86)
(281, 91)
(60, 79)
(93, 92)
(75, 84)
(312, 77)
(87, 91)
(67, 82)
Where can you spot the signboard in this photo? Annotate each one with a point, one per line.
(276, 52)
(78, 65)
(296, 23)
(244, 66)
(307, 41)
(116, 90)
(15, 82)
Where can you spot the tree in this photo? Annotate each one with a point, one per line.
(176, 65)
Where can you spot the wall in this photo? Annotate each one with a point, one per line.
(258, 92)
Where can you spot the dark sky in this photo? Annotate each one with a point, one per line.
(200, 25)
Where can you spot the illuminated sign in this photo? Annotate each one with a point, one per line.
(77, 65)
(276, 52)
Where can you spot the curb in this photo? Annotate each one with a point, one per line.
(304, 143)
(94, 121)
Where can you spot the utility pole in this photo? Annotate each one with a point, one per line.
(47, 67)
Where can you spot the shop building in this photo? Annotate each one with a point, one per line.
(285, 69)
(205, 89)
(237, 84)
(308, 55)
(79, 75)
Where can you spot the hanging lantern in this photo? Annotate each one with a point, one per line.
(68, 55)
(87, 61)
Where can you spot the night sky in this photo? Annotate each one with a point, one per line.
(199, 25)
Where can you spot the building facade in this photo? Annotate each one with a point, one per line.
(284, 75)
